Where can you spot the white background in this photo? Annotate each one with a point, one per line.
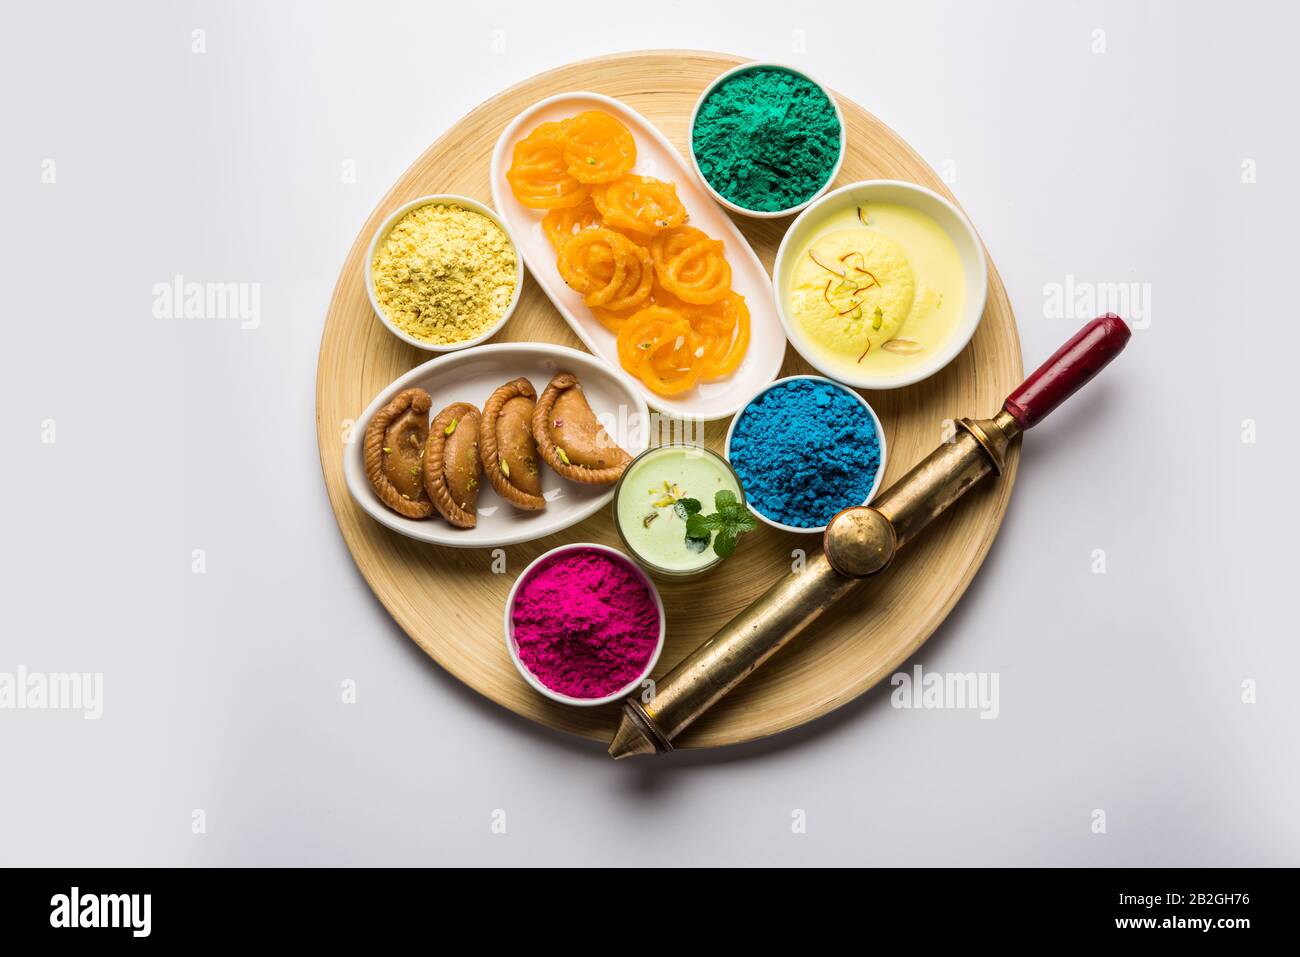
(1120, 692)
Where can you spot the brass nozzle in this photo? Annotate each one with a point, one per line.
(637, 733)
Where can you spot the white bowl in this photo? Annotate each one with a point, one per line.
(655, 156)
(714, 561)
(472, 377)
(758, 213)
(532, 678)
(949, 218)
(880, 435)
(442, 199)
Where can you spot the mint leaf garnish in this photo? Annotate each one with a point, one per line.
(723, 526)
(725, 543)
(698, 526)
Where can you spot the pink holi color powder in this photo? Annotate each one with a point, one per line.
(585, 623)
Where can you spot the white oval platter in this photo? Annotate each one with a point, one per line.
(658, 158)
(471, 376)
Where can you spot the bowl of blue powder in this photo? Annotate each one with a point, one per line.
(805, 448)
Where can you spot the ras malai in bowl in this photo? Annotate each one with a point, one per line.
(880, 284)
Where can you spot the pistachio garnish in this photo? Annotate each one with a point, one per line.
(562, 455)
(451, 427)
(505, 469)
(645, 522)
(671, 494)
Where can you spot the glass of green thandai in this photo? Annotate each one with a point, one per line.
(658, 493)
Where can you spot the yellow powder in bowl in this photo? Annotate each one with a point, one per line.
(444, 273)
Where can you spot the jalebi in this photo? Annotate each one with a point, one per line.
(699, 274)
(562, 224)
(723, 330)
(659, 346)
(538, 175)
(640, 204)
(663, 288)
(597, 147)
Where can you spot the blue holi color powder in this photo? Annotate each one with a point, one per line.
(804, 450)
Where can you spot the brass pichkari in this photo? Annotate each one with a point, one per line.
(860, 542)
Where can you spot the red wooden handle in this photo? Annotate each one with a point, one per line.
(1069, 368)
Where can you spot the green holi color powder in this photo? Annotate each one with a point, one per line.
(766, 139)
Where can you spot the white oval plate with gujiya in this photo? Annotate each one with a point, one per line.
(472, 376)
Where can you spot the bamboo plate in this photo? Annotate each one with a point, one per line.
(449, 600)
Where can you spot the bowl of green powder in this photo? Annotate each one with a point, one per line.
(766, 139)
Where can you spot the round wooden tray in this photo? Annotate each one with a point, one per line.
(450, 600)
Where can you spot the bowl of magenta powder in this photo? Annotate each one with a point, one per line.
(805, 448)
(766, 139)
(584, 624)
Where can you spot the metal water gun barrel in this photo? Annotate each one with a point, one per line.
(860, 542)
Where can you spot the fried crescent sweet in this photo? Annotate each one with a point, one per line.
(393, 453)
(506, 445)
(569, 437)
(451, 464)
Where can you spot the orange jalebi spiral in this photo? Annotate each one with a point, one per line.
(594, 263)
(561, 225)
(638, 280)
(538, 175)
(699, 274)
(613, 320)
(597, 147)
(639, 204)
(607, 268)
(669, 242)
(723, 331)
(659, 346)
